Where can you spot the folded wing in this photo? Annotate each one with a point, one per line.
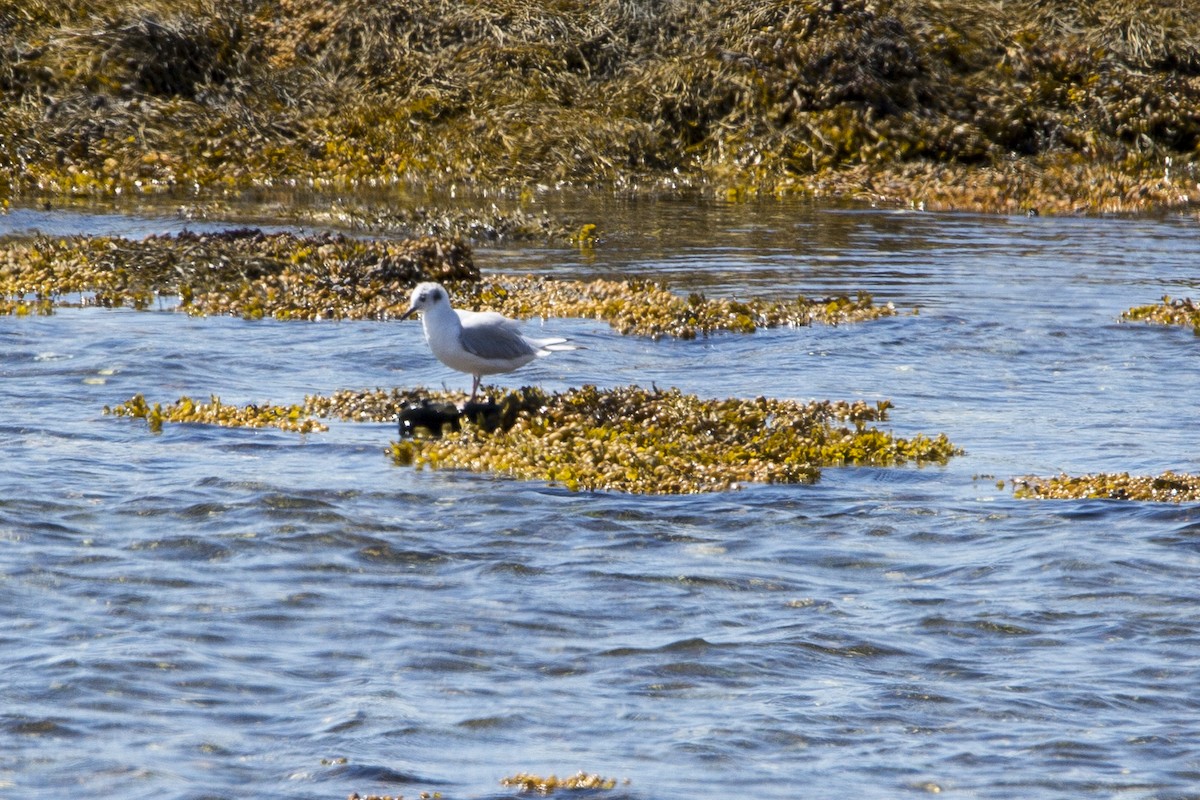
(489, 335)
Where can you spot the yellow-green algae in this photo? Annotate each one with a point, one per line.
(649, 308)
(666, 442)
(544, 785)
(628, 440)
(186, 410)
(284, 276)
(976, 103)
(1168, 312)
(526, 782)
(1169, 487)
(244, 271)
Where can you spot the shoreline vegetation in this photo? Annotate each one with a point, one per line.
(996, 106)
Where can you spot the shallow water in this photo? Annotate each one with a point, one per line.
(230, 613)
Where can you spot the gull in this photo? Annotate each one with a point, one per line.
(475, 342)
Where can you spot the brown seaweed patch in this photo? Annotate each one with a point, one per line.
(648, 308)
(242, 271)
(758, 96)
(185, 410)
(1168, 312)
(665, 442)
(527, 782)
(328, 285)
(635, 307)
(1169, 487)
(372, 405)
(284, 276)
(476, 224)
(628, 439)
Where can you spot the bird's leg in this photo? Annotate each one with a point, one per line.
(474, 387)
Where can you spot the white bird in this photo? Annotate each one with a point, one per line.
(475, 342)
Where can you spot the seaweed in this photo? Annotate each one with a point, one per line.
(1169, 311)
(545, 785)
(1169, 487)
(283, 276)
(665, 442)
(242, 271)
(998, 106)
(186, 410)
(648, 308)
(635, 440)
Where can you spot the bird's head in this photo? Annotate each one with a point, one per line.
(424, 297)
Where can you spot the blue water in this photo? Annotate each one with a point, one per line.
(213, 613)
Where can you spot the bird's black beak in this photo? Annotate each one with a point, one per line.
(408, 313)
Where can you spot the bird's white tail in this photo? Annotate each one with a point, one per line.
(547, 346)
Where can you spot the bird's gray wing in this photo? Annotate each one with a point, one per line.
(490, 335)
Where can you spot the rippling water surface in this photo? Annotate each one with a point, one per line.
(230, 613)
